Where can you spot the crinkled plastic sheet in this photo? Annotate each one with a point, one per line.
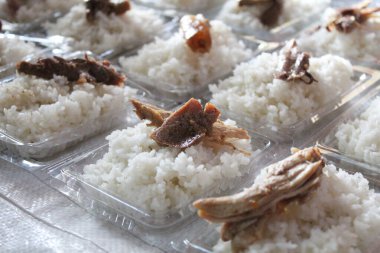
(36, 218)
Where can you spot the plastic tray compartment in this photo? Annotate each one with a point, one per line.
(308, 28)
(84, 192)
(364, 78)
(329, 143)
(279, 33)
(12, 147)
(180, 94)
(169, 24)
(207, 234)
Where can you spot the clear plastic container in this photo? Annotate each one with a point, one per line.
(71, 174)
(356, 51)
(180, 94)
(364, 78)
(168, 25)
(328, 142)
(29, 154)
(280, 32)
(207, 236)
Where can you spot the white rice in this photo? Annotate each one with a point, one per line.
(108, 32)
(189, 5)
(342, 215)
(159, 179)
(13, 50)
(34, 109)
(247, 18)
(252, 92)
(33, 10)
(361, 43)
(360, 137)
(172, 63)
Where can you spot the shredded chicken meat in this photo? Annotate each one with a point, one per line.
(271, 14)
(189, 125)
(295, 65)
(77, 70)
(105, 6)
(245, 214)
(196, 32)
(349, 19)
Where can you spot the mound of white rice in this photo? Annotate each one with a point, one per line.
(247, 18)
(189, 5)
(172, 63)
(253, 94)
(108, 32)
(13, 50)
(32, 10)
(158, 178)
(360, 137)
(342, 215)
(33, 109)
(361, 43)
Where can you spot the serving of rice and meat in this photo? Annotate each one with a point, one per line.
(282, 88)
(165, 161)
(298, 205)
(352, 32)
(360, 137)
(199, 53)
(250, 15)
(30, 10)
(54, 95)
(109, 26)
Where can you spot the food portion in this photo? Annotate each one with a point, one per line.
(282, 88)
(349, 32)
(55, 96)
(200, 52)
(30, 10)
(165, 161)
(100, 26)
(250, 15)
(360, 137)
(12, 50)
(298, 205)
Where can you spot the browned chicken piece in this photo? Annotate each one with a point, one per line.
(270, 16)
(196, 32)
(105, 6)
(245, 214)
(349, 19)
(190, 125)
(76, 70)
(295, 65)
(187, 126)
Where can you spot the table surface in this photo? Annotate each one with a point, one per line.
(36, 218)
